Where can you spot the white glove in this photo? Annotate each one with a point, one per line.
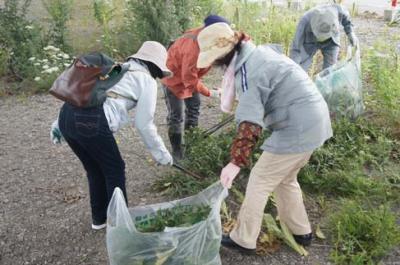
(215, 93)
(353, 39)
(166, 160)
(55, 133)
(228, 174)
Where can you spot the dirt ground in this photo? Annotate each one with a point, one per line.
(44, 204)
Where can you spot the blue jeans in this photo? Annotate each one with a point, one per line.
(87, 133)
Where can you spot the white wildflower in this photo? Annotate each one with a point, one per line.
(37, 78)
(66, 64)
(45, 60)
(51, 48)
(115, 50)
(31, 59)
(65, 56)
(29, 27)
(36, 64)
(45, 66)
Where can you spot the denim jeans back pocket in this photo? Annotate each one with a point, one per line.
(87, 125)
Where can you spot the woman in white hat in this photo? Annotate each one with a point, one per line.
(274, 93)
(317, 30)
(89, 131)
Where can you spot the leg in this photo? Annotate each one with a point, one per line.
(175, 120)
(96, 179)
(289, 199)
(192, 111)
(266, 175)
(330, 54)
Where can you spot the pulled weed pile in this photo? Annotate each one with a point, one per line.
(178, 216)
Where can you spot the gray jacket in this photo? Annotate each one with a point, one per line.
(276, 93)
(305, 42)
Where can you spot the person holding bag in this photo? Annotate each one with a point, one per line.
(275, 93)
(89, 131)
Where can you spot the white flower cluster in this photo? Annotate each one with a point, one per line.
(53, 62)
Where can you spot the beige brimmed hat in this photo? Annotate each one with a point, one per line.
(215, 41)
(325, 23)
(154, 52)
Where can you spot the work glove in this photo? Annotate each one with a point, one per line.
(55, 133)
(353, 39)
(215, 93)
(166, 159)
(228, 174)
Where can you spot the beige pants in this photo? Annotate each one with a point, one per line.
(278, 174)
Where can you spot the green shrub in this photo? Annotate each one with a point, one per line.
(21, 38)
(60, 13)
(362, 234)
(104, 11)
(382, 69)
(264, 23)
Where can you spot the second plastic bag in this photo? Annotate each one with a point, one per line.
(341, 86)
(197, 244)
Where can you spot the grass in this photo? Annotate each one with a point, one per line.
(362, 233)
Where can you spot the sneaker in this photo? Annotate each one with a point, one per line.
(99, 227)
(227, 242)
(304, 240)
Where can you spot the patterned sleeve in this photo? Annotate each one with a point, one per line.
(244, 143)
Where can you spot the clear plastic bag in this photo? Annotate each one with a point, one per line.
(198, 244)
(341, 86)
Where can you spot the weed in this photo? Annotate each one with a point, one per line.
(362, 234)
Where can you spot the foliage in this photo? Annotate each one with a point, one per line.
(178, 216)
(104, 12)
(20, 38)
(382, 67)
(363, 234)
(356, 157)
(60, 13)
(264, 23)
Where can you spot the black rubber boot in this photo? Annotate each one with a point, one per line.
(176, 143)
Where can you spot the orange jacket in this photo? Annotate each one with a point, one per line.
(182, 60)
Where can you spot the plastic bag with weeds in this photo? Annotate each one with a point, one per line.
(341, 86)
(196, 244)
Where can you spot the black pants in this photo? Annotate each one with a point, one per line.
(87, 133)
(175, 111)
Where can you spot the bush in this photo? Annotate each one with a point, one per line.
(60, 13)
(382, 68)
(21, 37)
(362, 234)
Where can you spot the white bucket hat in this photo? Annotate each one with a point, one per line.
(324, 23)
(154, 52)
(215, 41)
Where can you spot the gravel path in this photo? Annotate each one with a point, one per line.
(44, 206)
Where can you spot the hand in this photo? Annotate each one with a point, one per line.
(353, 39)
(228, 174)
(55, 133)
(215, 93)
(167, 160)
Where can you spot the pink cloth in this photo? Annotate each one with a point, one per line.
(228, 87)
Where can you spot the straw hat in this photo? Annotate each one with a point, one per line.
(215, 41)
(154, 52)
(324, 23)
